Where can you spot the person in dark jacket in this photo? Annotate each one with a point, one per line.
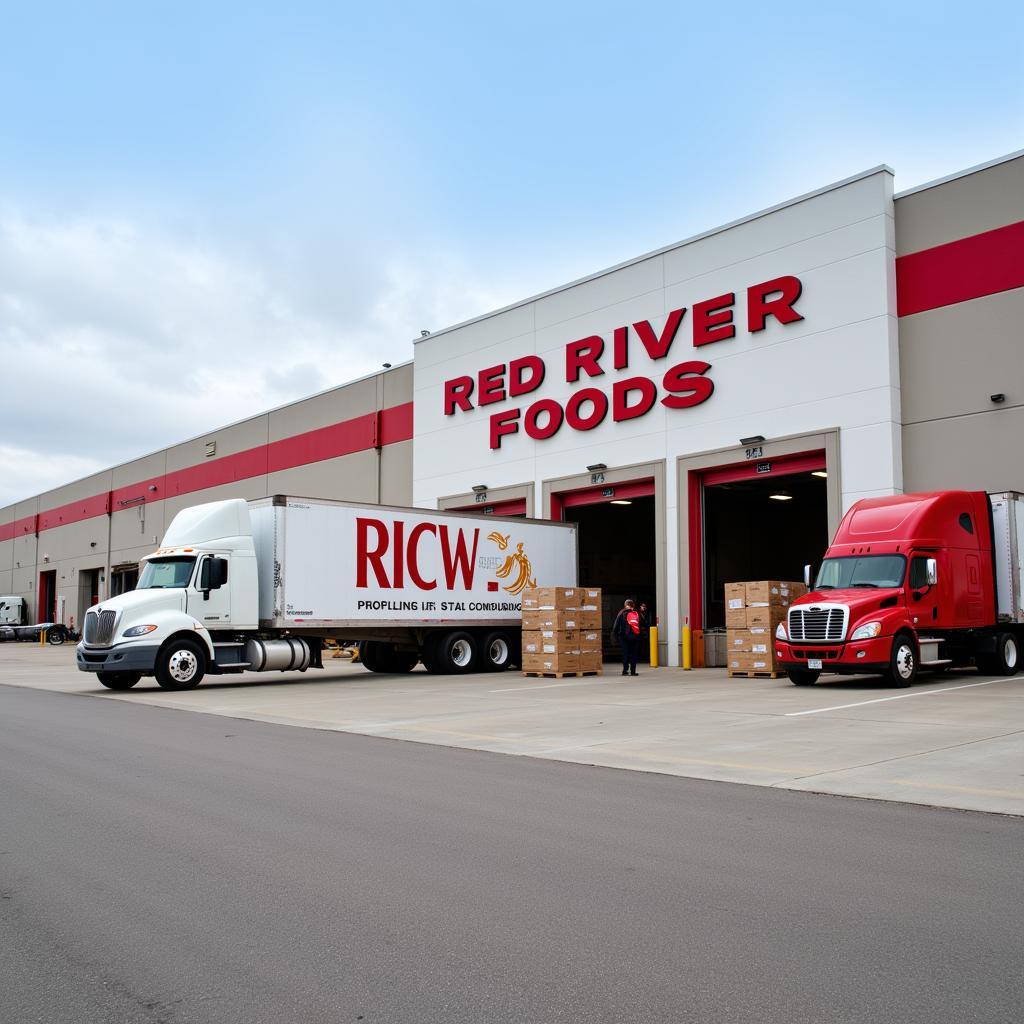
(626, 630)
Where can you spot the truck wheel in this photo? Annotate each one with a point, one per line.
(370, 655)
(497, 652)
(456, 653)
(802, 676)
(181, 665)
(402, 661)
(902, 669)
(1006, 660)
(118, 680)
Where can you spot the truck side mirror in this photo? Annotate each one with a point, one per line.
(931, 569)
(807, 576)
(213, 575)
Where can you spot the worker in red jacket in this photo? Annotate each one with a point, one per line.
(626, 631)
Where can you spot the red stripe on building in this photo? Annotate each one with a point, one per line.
(957, 271)
(396, 424)
(361, 433)
(75, 511)
(346, 438)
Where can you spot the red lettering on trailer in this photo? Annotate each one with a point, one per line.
(460, 558)
(583, 355)
(367, 558)
(399, 576)
(658, 345)
(413, 555)
(759, 306)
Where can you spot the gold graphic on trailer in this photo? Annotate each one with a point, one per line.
(517, 562)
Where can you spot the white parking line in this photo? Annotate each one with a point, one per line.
(900, 696)
(551, 686)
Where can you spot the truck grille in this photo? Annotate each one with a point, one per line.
(823, 625)
(99, 628)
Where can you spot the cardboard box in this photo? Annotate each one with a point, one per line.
(531, 642)
(553, 618)
(737, 641)
(550, 598)
(588, 618)
(770, 592)
(590, 639)
(591, 661)
(590, 597)
(562, 637)
(548, 663)
(735, 605)
(762, 640)
(739, 662)
(765, 616)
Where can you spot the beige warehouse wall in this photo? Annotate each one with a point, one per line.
(135, 528)
(955, 357)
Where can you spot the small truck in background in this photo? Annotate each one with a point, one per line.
(914, 581)
(13, 611)
(258, 586)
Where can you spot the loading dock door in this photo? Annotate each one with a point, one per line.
(757, 520)
(617, 548)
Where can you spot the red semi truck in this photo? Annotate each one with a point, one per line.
(914, 581)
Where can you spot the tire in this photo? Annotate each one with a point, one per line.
(802, 676)
(902, 669)
(118, 680)
(371, 656)
(497, 652)
(402, 661)
(457, 653)
(55, 636)
(1006, 659)
(181, 665)
(429, 655)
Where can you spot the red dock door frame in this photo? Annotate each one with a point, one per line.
(787, 465)
(599, 495)
(512, 507)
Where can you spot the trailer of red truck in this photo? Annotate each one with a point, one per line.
(910, 582)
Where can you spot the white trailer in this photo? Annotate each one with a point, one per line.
(258, 586)
(12, 610)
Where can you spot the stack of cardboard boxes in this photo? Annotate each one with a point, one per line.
(561, 631)
(752, 613)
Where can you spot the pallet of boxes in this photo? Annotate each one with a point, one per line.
(562, 632)
(753, 611)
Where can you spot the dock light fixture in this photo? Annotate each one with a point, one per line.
(597, 467)
(479, 488)
(819, 472)
(620, 501)
(998, 398)
(755, 439)
(781, 496)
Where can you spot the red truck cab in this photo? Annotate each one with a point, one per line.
(909, 582)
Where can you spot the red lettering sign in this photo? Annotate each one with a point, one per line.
(759, 306)
(458, 559)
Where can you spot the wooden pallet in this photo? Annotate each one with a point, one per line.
(562, 675)
(763, 674)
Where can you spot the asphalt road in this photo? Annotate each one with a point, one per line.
(158, 865)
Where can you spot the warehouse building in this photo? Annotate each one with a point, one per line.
(705, 412)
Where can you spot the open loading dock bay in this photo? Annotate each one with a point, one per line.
(954, 741)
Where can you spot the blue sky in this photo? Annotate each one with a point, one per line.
(298, 189)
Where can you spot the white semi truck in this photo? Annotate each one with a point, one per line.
(258, 586)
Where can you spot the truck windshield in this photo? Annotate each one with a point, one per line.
(161, 573)
(861, 571)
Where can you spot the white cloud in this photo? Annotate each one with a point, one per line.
(119, 338)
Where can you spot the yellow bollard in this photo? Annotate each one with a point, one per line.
(42, 638)
(654, 646)
(687, 643)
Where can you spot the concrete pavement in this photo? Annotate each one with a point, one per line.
(179, 868)
(955, 740)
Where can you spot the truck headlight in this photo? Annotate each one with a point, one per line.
(867, 631)
(780, 632)
(138, 631)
